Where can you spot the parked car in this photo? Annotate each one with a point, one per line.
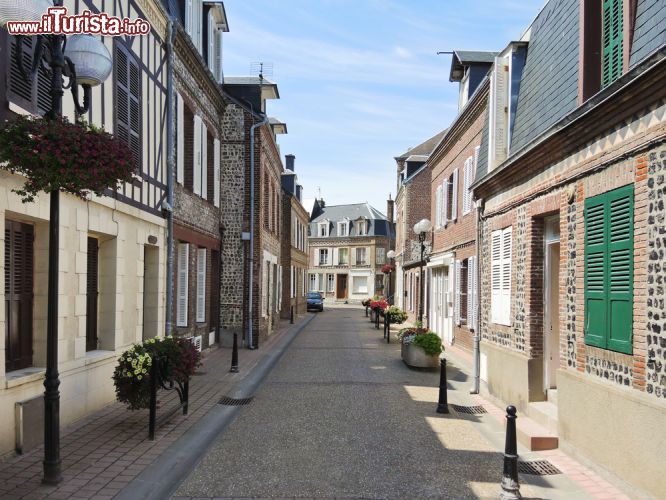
(315, 301)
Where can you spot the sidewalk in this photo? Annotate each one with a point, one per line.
(102, 453)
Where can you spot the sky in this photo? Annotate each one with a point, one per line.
(360, 82)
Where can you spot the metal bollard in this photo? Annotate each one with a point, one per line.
(152, 412)
(234, 355)
(377, 319)
(291, 315)
(443, 403)
(387, 328)
(510, 485)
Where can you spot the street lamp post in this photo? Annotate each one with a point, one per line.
(85, 61)
(391, 256)
(422, 228)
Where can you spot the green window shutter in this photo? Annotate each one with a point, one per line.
(620, 210)
(612, 42)
(595, 271)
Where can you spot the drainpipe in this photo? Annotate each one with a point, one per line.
(170, 175)
(477, 320)
(250, 339)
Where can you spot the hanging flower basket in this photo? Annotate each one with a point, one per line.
(132, 375)
(387, 268)
(59, 155)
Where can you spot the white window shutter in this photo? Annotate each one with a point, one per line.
(188, 18)
(218, 55)
(438, 206)
(196, 165)
(506, 276)
(335, 257)
(471, 275)
(181, 292)
(367, 256)
(445, 202)
(467, 196)
(454, 202)
(456, 304)
(496, 275)
(211, 41)
(180, 139)
(201, 285)
(216, 175)
(204, 161)
(498, 115)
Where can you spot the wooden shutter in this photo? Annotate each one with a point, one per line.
(496, 275)
(19, 259)
(499, 119)
(182, 284)
(445, 202)
(128, 101)
(201, 285)
(506, 276)
(612, 42)
(92, 290)
(438, 206)
(211, 42)
(204, 161)
(180, 139)
(197, 155)
(188, 18)
(456, 304)
(32, 95)
(609, 270)
(471, 293)
(216, 172)
(454, 201)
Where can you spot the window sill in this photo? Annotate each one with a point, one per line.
(24, 376)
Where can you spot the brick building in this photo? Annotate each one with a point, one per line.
(571, 179)
(199, 110)
(451, 275)
(412, 204)
(294, 253)
(347, 248)
(262, 203)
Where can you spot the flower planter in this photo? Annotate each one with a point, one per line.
(415, 356)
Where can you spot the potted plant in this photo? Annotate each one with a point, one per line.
(420, 347)
(132, 375)
(396, 316)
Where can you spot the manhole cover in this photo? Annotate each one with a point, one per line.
(226, 400)
(538, 468)
(471, 410)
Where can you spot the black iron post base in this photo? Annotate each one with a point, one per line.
(510, 484)
(234, 355)
(443, 403)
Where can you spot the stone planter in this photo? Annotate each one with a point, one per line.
(415, 356)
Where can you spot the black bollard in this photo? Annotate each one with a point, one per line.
(510, 485)
(377, 319)
(387, 328)
(152, 412)
(291, 315)
(366, 311)
(443, 403)
(234, 355)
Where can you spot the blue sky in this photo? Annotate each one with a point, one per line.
(360, 81)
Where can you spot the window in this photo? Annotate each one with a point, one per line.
(343, 228)
(380, 256)
(611, 64)
(127, 101)
(330, 279)
(501, 277)
(200, 158)
(461, 289)
(468, 177)
(452, 197)
(323, 256)
(214, 45)
(343, 256)
(92, 293)
(323, 229)
(182, 284)
(609, 269)
(193, 21)
(360, 228)
(379, 283)
(464, 90)
(360, 256)
(359, 284)
(313, 282)
(201, 285)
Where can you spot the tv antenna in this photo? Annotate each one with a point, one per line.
(262, 69)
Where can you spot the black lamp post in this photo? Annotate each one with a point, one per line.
(391, 256)
(85, 61)
(422, 228)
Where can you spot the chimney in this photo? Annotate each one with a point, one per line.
(322, 203)
(389, 208)
(290, 162)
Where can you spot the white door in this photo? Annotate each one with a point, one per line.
(551, 336)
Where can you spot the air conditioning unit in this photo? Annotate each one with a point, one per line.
(197, 342)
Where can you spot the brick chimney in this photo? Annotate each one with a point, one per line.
(290, 162)
(389, 208)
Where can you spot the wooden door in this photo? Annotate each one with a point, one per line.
(92, 293)
(342, 286)
(19, 238)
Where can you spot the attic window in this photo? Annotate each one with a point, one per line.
(343, 228)
(322, 231)
(361, 229)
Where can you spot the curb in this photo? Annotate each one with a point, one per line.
(161, 478)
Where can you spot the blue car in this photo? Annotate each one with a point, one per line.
(315, 301)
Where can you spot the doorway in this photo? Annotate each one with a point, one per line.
(341, 292)
(551, 337)
(439, 306)
(151, 269)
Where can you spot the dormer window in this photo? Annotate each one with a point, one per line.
(464, 91)
(193, 21)
(343, 228)
(503, 101)
(322, 229)
(361, 228)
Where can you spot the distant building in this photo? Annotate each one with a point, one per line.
(347, 247)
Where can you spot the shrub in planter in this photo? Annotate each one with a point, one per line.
(396, 315)
(427, 339)
(132, 375)
(77, 158)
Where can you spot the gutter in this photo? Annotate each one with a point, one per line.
(170, 177)
(250, 319)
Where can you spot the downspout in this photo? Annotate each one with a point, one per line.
(170, 174)
(250, 337)
(477, 313)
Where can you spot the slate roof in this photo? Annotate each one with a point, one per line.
(649, 30)
(378, 224)
(247, 80)
(425, 148)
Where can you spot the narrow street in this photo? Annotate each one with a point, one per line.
(340, 415)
